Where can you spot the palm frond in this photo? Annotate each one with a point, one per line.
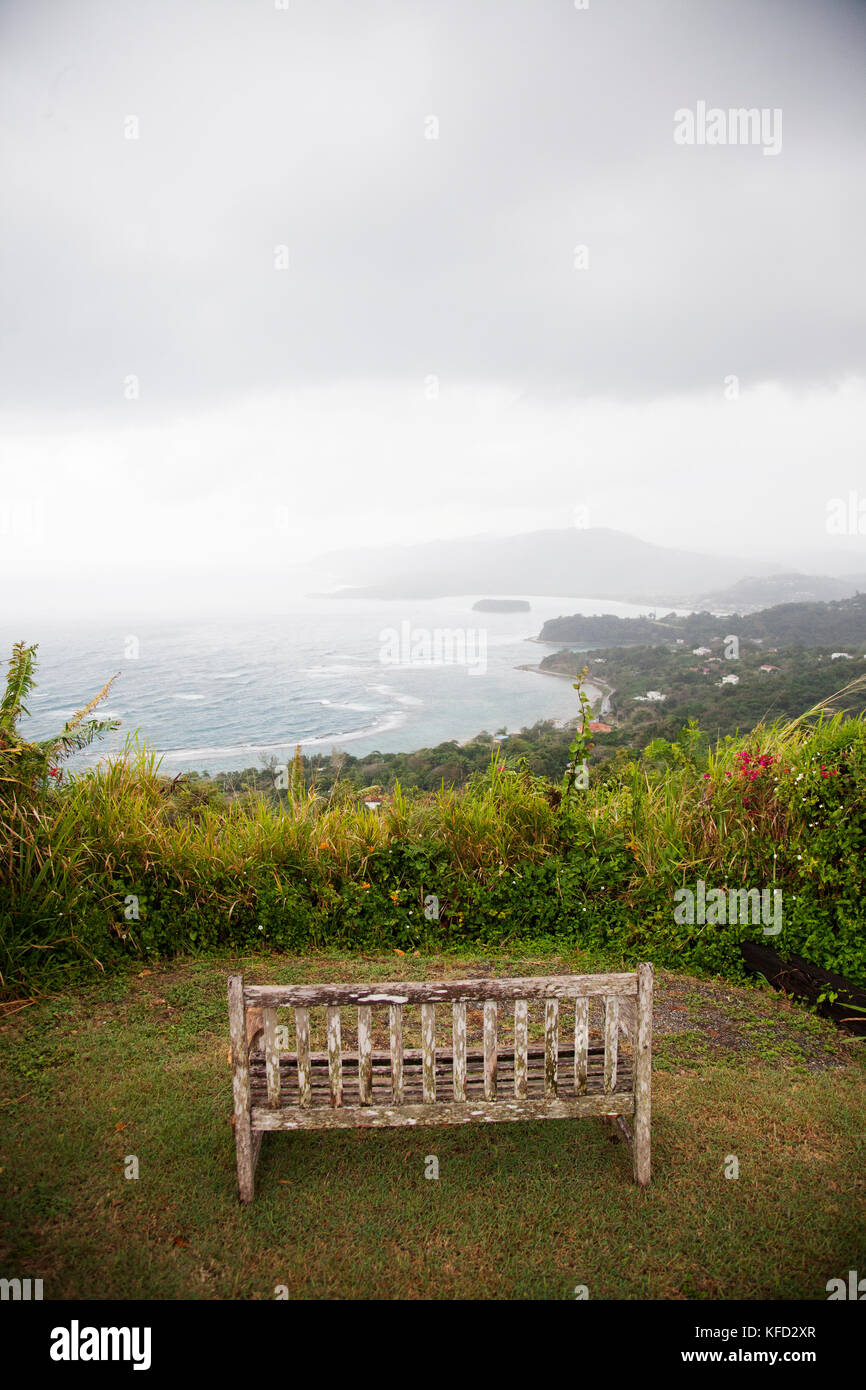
(72, 740)
(19, 683)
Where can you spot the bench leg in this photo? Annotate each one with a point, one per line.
(248, 1158)
(642, 1065)
(641, 1154)
(246, 1162)
(246, 1143)
(620, 1123)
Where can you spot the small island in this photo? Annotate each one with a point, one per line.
(501, 605)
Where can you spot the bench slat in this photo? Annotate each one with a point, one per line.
(335, 1056)
(581, 1043)
(433, 991)
(382, 1089)
(302, 1040)
(395, 1028)
(365, 1053)
(491, 1057)
(272, 1056)
(428, 1050)
(611, 1041)
(473, 1054)
(521, 1039)
(551, 1048)
(442, 1113)
(458, 1036)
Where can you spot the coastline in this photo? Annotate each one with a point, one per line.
(240, 697)
(595, 688)
(540, 671)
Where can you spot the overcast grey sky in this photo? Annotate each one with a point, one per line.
(437, 358)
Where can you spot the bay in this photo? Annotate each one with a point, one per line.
(330, 673)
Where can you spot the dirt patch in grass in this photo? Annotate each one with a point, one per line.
(732, 1023)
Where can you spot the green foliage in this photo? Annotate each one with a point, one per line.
(24, 764)
(298, 787)
(124, 864)
(839, 622)
(581, 744)
(692, 686)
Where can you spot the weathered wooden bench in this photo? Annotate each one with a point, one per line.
(278, 1089)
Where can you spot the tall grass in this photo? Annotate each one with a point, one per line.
(123, 862)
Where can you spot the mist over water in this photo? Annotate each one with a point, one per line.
(223, 695)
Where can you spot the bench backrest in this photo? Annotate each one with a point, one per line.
(255, 1006)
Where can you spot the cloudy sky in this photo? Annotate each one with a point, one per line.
(277, 281)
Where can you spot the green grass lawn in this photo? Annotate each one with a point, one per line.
(139, 1065)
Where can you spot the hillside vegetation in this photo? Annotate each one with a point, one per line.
(769, 684)
(122, 864)
(840, 622)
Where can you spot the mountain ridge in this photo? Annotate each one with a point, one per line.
(597, 561)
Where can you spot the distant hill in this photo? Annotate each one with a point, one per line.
(753, 593)
(838, 624)
(596, 562)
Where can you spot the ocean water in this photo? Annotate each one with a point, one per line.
(357, 675)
